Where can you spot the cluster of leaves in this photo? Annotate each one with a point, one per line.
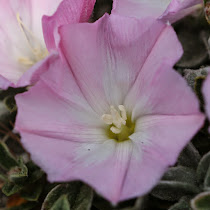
(185, 186)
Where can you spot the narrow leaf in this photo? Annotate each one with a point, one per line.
(79, 196)
(201, 201)
(173, 190)
(180, 174)
(18, 174)
(61, 204)
(7, 161)
(183, 204)
(11, 188)
(189, 157)
(203, 167)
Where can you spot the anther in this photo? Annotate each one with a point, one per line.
(107, 118)
(116, 118)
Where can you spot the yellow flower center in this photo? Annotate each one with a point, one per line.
(120, 125)
(38, 52)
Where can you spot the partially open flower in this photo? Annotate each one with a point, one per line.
(166, 10)
(206, 94)
(21, 38)
(117, 114)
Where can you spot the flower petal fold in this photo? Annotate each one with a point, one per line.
(69, 11)
(167, 10)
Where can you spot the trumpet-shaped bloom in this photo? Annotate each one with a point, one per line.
(21, 38)
(166, 10)
(117, 114)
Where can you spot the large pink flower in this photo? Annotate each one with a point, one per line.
(21, 37)
(167, 10)
(117, 114)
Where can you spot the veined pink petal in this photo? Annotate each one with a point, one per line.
(167, 10)
(116, 46)
(58, 91)
(31, 76)
(206, 94)
(159, 139)
(69, 11)
(39, 9)
(102, 165)
(162, 91)
(4, 83)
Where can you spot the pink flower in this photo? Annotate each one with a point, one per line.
(167, 10)
(21, 38)
(206, 93)
(117, 114)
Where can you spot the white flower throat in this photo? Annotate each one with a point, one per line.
(38, 52)
(116, 119)
(120, 124)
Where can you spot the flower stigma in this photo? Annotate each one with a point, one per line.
(120, 125)
(38, 52)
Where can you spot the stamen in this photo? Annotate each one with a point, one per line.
(115, 130)
(123, 112)
(38, 52)
(116, 118)
(107, 118)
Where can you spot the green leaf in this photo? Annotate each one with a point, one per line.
(201, 201)
(173, 190)
(32, 191)
(183, 204)
(79, 196)
(18, 174)
(61, 204)
(203, 167)
(11, 188)
(195, 53)
(3, 178)
(180, 174)
(9, 101)
(34, 172)
(7, 161)
(25, 206)
(207, 180)
(189, 157)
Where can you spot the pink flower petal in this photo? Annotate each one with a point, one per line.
(69, 11)
(159, 139)
(31, 76)
(118, 54)
(101, 165)
(64, 96)
(40, 8)
(167, 10)
(162, 91)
